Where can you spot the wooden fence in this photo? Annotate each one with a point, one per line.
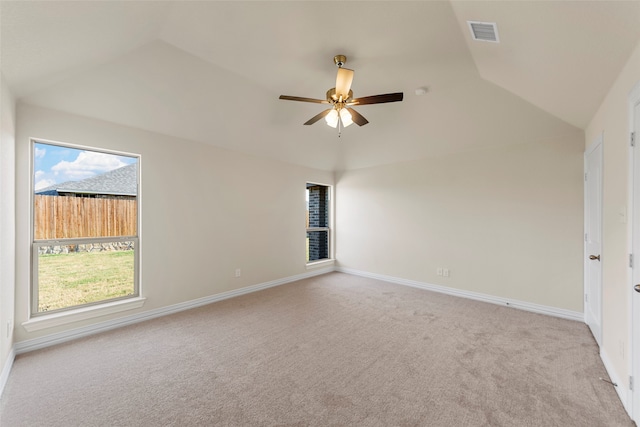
(58, 217)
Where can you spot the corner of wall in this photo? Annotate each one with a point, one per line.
(7, 228)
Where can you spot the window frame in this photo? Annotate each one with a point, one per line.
(328, 228)
(135, 297)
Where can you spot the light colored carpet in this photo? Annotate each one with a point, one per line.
(334, 350)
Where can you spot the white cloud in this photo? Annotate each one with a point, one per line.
(87, 164)
(44, 183)
(42, 180)
(40, 152)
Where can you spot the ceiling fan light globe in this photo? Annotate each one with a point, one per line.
(332, 118)
(346, 118)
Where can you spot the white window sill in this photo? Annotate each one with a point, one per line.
(320, 264)
(90, 312)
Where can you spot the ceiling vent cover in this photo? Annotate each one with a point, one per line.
(484, 31)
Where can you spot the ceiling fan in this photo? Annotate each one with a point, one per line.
(341, 100)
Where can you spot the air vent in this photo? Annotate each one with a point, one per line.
(484, 31)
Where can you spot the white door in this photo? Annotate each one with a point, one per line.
(593, 239)
(635, 296)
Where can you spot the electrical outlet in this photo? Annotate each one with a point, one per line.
(238, 272)
(439, 271)
(445, 272)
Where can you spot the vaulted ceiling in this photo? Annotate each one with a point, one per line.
(212, 71)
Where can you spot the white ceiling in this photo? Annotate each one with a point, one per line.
(212, 71)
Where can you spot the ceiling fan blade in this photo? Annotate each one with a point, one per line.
(343, 82)
(377, 99)
(299, 98)
(317, 117)
(357, 117)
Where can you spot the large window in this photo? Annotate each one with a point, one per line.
(85, 227)
(318, 226)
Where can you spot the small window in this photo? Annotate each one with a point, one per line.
(85, 227)
(318, 226)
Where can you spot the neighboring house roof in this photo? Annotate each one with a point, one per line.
(118, 182)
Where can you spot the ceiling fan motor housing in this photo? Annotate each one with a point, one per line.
(332, 96)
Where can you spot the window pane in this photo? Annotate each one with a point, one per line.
(317, 205)
(317, 245)
(83, 193)
(76, 274)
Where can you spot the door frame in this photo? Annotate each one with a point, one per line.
(633, 398)
(597, 142)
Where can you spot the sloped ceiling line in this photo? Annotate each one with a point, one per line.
(212, 71)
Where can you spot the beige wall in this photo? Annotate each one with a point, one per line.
(506, 222)
(612, 121)
(205, 211)
(7, 220)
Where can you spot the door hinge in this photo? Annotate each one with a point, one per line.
(633, 139)
(586, 237)
(585, 177)
(630, 383)
(586, 297)
(630, 260)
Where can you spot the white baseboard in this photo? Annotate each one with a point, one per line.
(522, 305)
(58, 338)
(6, 369)
(621, 386)
(61, 337)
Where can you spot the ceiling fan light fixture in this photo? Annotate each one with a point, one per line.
(345, 117)
(332, 118)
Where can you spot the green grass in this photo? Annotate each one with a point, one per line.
(67, 280)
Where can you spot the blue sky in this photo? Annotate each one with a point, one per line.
(55, 164)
